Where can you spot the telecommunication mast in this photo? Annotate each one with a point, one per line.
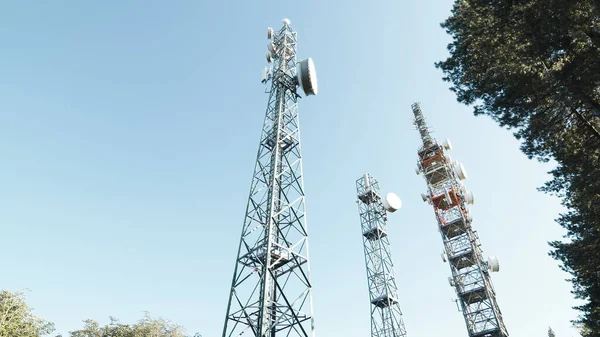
(271, 288)
(386, 316)
(449, 197)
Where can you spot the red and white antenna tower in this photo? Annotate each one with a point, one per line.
(470, 271)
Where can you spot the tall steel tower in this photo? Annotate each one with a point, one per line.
(386, 316)
(470, 271)
(271, 288)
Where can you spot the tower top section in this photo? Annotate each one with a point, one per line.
(281, 52)
(421, 125)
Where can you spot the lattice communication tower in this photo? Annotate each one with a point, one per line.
(386, 316)
(271, 288)
(462, 250)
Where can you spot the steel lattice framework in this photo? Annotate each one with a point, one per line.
(449, 197)
(271, 288)
(386, 316)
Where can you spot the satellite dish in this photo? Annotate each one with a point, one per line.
(307, 77)
(417, 170)
(271, 47)
(286, 22)
(444, 257)
(469, 198)
(270, 33)
(392, 202)
(451, 281)
(493, 264)
(462, 187)
(424, 197)
(469, 218)
(269, 57)
(459, 169)
(464, 171)
(447, 144)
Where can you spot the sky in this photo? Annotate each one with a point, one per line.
(128, 137)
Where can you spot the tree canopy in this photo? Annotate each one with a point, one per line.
(17, 319)
(145, 327)
(533, 66)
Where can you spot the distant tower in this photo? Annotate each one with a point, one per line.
(470, 271)
(386, 316)
(271, 289)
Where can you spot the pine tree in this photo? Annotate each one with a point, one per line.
(534, 67)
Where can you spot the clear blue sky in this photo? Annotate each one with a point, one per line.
(128, 137)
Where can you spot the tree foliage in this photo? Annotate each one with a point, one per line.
(17, 320)
(145, 327)
(534, 67)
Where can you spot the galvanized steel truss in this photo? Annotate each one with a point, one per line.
(470, 275)
(271, 290)
(386, 316)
